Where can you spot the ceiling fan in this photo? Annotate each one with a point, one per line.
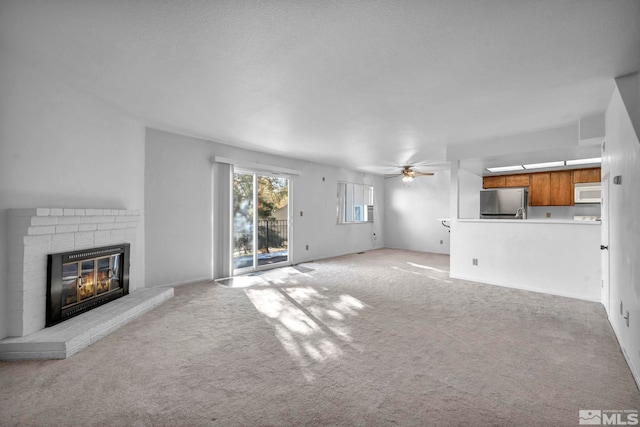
(407, 173)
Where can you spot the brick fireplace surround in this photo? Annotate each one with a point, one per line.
(35, 233)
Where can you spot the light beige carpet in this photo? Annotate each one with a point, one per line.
(381, 338)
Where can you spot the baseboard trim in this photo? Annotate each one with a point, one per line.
(189, 282)
(524, 288)
(326, 257)
(634, 373)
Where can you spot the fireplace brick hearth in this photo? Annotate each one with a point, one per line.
(35, 233)
(69, 337)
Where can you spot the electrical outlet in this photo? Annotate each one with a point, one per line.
(307, 247)
(441, 241)
(375, 237)
(548, 214)
(475, 261)
(323, 179)
(301, 213)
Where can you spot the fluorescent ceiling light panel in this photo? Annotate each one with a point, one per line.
(584, 161)
(544, 165)
(506, 168)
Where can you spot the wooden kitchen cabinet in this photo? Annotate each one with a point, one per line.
(540, 189)
(551, 189)
(520, 180)
(586, 175)
(493, 181)
(561, 188)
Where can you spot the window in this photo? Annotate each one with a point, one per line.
(355, 203)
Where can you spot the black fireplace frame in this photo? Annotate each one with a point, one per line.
(55, 312)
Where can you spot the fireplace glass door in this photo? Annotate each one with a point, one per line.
(69, 284)
(80, 280)
(87, 279)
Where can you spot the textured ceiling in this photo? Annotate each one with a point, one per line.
(361, 84)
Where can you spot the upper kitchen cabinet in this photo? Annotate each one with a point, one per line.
(493, 181)
(554, 188)
(551, 189)
(561, 189)
(540, 189)
(520, 180)
(586, 175)
(501, 181)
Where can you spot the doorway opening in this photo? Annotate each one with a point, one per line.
(260, 221)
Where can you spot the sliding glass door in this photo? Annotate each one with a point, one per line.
(260, 221)
(243, 221)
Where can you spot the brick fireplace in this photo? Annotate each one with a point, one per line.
(36, 233)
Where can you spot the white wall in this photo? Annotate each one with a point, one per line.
(178, 208)
(318, 227)
(622, 157)
(412, 212)
(556, 258)
(60, 148)
(470, 186)
(178, 199)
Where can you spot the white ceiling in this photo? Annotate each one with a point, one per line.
(361, 84)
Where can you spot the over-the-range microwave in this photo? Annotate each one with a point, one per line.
(587, 193)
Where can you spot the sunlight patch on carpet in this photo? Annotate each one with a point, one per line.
(310, 326)
(406, 271)
(440, 279)
(276, 276)
(426, 267)
(430, 276)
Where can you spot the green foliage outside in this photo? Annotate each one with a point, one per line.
(273, 193)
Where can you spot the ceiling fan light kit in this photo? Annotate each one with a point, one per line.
(408, 174)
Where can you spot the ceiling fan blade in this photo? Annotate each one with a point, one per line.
(423, 173)
(395, 175)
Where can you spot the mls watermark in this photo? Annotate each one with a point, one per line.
(601, 417)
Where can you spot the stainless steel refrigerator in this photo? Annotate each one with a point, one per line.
(504, 203)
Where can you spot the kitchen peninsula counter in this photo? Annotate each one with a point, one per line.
(555, 256)
(532, 221)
